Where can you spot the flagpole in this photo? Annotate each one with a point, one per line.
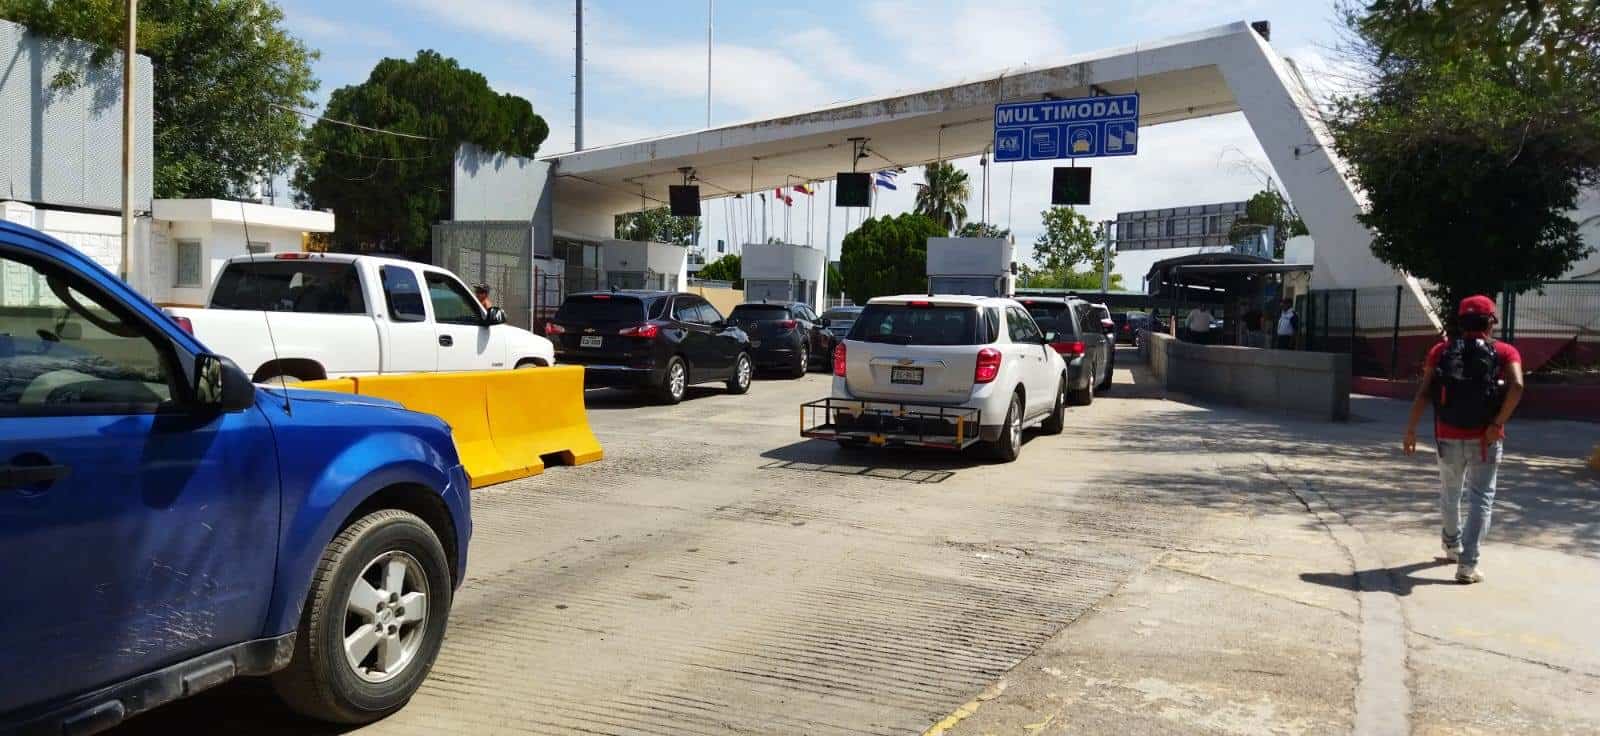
(811, 217)
(827, 238)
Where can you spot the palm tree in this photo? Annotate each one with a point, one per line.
(944, 195)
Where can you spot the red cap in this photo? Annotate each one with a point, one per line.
(1479, 304)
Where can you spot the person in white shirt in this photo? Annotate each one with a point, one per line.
(1199, 324)
(1288, 324)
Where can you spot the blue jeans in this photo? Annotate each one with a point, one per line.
(1467, 467)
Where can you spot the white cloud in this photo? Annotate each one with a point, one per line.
(959, 38)
(317, 27)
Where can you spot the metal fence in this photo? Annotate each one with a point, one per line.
(499, 254)
(1554, 325)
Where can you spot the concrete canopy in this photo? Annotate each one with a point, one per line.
(1220, 70)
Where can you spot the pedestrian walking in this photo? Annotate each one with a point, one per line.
(1198, 322)
(1474, 383)
(1288, 326)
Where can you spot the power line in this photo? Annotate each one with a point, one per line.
(347, 123)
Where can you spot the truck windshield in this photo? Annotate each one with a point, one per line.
(902, 324)
(320, 287)
(600, 308)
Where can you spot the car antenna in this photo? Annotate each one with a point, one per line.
(266, 315)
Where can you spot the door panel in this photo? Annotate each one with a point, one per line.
(465, 342)
(1032, 361)
(412, 340)
(155, 539)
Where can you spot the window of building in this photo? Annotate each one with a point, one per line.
(257, 248)
(186, 264)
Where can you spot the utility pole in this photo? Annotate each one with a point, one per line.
(130, 44)
(577, 87)
(708, 63)
(1105, 257)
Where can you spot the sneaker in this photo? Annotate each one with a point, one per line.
(1452, 552)
(1468, 574)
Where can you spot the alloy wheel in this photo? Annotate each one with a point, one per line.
(678, 381)
(386, 617)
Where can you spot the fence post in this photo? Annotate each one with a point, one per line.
(1394, 344)
(1352, 327)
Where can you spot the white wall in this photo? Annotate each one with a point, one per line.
(218, 242)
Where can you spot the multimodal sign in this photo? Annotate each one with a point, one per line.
(1084, 127)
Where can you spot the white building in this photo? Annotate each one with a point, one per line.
(191, 238)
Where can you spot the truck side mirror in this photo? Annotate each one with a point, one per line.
(496, 316)
(220, 385)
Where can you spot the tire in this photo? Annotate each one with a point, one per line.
(1056, 423)
(674, 381)
(280, 379)
(1111, 368)
(744, 370)
(804, 363)
(1085, 395)
(1009, 445)
(529, 363)
(321, 681)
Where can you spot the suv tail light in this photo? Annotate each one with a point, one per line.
(646, 331)
(552, 329)
(1070, 349)
(787, 324)
(184, 323)
(988, 366)
(839, 360)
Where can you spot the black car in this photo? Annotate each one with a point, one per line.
(659, 341)
(784, 335)
(1129, 324)
(1080, 338)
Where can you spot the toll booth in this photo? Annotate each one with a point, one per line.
(971, 266)
(633, 264)
(783, 272)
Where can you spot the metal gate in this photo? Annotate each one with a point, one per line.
(497, 253)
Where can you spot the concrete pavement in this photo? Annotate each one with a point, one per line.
(1162, 568)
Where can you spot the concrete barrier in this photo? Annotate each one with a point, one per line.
(1290, 380)
(504, 423)
(1157, 348)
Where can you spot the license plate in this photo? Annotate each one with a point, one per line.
(589, 341)
(905, 375)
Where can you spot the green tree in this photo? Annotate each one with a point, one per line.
(726, 268)
(943, 195)
(1269, 208)
(887, 255)
(1068, 240)
(226, 74)
(657, 225)
(1471, 155)
(1033, 277)
(388, 190)
(982, 230)
(835, 280)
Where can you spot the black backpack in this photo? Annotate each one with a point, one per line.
(1467, 391)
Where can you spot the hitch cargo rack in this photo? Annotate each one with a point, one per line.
(890, 423)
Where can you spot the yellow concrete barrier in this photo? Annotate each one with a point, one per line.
(504, 422)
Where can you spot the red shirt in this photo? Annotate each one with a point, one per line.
(1508, 356)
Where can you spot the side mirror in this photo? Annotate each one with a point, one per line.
(720, 324)
(824, 322)
(1050, 337)
(496, 316)
(220, 385)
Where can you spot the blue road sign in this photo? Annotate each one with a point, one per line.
(1086, 127)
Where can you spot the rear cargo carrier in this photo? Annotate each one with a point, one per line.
(890, 423)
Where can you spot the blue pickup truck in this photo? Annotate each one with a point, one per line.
(166, 525)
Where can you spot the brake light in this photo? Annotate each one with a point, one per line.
(923, 305)
(787, 324)
(646, 331)
(185, 324)
(988, 366)
(839, 360)
(601, 297)
(1069, 349)
(552, 329)
(292, 256)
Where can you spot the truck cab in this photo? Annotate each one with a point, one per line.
(168, 525)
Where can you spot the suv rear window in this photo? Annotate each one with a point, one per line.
(321, 287)
(759, 311)
(900, 324)
(601, 308)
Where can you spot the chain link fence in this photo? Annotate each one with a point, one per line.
(496, 253)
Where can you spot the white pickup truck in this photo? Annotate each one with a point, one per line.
(308, 316)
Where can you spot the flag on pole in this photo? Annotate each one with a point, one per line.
(885, 179)
(803, 189)
(786, 199)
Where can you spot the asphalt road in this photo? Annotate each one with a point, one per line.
(716, 573)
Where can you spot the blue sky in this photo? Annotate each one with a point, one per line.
(645, 71)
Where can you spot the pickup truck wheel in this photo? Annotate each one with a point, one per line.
(372, 623)
(674, 382)
(1009, 445)
(744, 370)
(1056, 423)
(282, 378)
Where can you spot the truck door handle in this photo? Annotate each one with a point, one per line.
(21, 476)
(446, 341)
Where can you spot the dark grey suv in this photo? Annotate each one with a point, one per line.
(1074, 329)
